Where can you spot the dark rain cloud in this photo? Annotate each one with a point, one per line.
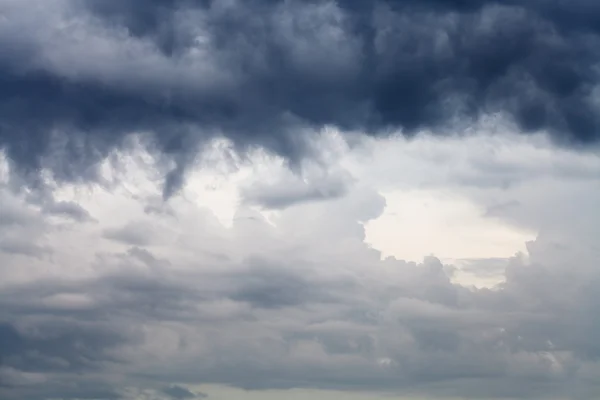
(78, 76)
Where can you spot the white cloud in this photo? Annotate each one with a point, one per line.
(213, 292)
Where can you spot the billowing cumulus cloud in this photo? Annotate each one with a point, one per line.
(152, 299)
(79, 76)
(272, 198)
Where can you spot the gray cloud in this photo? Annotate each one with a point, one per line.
(303, 304)
(21, 247)
(286, 193)
(22, 226)
(134, 234)
(12, 212)
(257, 71)
(178, 392)
(490, 267)
(260, 327)
(69, 209)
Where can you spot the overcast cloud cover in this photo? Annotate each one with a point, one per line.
(292, 199)
(259, 71)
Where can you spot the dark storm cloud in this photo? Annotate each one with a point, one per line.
(78, 76)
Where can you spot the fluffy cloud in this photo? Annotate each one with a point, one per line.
(198, 199)
(292, 297)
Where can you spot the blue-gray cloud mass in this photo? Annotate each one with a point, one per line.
(113, 292)
(92, 72)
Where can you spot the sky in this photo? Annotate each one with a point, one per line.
(284, 199)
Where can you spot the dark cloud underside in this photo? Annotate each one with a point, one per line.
(78, 76)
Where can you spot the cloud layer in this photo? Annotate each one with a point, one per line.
(144, 299)
(188, 187)
(78, 76)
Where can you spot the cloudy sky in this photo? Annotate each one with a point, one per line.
(285, 199)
